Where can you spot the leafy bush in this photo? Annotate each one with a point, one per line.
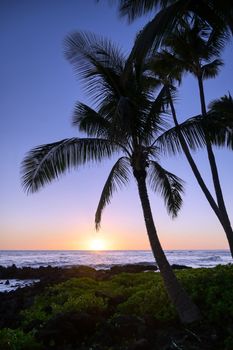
(72, 295)
(153, 302)
(134, 297)
(212, 290)
(17, 340)
(87, 302)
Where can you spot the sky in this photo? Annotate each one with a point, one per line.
(38, 92)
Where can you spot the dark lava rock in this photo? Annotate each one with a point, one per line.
(51, 274)
(180, 267)
(132, 268)
(48, 273)
(7, 283)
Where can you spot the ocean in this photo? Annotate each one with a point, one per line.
(106, 259)
(102, 260)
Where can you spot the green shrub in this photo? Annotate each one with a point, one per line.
(141, 295)
(212, 290)
(153, 302)
(87, 302)
(17, 340)
(77, 294)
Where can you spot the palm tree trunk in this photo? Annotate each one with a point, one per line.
(219, 208)
(211, 157)
(191, 161)
(187, 310)
(224, 218)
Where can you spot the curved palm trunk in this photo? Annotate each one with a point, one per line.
(224, 218)
(191, 161)
(219, 207)
(187, 310)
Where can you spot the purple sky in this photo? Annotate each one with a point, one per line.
(38, 93)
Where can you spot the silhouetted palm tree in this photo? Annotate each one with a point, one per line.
(198, 49)
(219, 121)
(168, 13)
(195, 48)
(125, 122)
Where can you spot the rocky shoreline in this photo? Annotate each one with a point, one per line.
(13, 301)
(63, 273)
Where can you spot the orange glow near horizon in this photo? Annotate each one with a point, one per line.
(111, 237)
(108, 241)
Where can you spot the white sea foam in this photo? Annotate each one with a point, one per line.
(13, 284)
(106, 259)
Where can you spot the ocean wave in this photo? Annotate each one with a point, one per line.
(106, 259)
(212, 258)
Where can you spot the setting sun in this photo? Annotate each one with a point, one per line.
(97, 244)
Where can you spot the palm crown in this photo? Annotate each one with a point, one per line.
(197, 48)
(126, 121)
(168, 13)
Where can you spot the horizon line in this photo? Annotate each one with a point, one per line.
(109, 250)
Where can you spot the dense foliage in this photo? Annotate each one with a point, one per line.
(124, 311)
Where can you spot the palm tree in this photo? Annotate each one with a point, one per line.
(220, 121)
(125, 122)
(168, 13)
(196, 48)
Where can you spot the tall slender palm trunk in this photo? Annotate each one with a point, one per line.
(187, 310)
(224, 218)
(219, 208)
(191, 161)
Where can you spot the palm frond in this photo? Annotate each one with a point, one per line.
(116, 125)
(98, 63)
(217, 41)
(47, 162)
(155, 121)
(195, 44)
(218, 14)
(118, 176)
(120, 120)
(192, 132)
(166, 66)
(168, 185)
(89, 121)
(156, 30)
(222, 106)
(136, 8)
(219, 121)
(211, 70)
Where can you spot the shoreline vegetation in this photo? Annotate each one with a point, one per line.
(125, 307)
